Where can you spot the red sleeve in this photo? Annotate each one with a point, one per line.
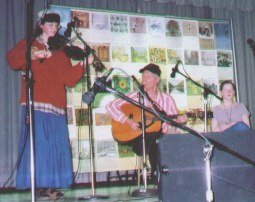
(71, 74)
(16, 57)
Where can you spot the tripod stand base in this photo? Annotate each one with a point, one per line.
(93, 197)
(144, 192)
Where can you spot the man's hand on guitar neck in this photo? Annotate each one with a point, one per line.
(182, 118)
(133, 124)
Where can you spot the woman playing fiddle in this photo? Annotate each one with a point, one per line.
(230, 115)
(51, 74)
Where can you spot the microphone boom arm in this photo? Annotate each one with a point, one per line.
(160, 115)
(99, 66)
(208, 147)
(206, 90)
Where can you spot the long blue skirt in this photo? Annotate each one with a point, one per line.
(53, 162)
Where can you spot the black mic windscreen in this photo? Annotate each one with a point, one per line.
(88, 97)
(68, 31)
(251, 43)
(173, 73)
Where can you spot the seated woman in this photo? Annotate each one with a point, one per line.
(229, 115)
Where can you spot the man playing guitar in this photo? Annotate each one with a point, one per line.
(124, 120)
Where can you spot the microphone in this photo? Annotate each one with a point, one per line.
(70, 26)
(137, 82)
(251, 43)
(107, 74)
(141, 93)
(89, 96)
(46, 4)
(46, 8)
(175, 69)
(100, 82)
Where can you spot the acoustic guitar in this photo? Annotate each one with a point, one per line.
(123, 133)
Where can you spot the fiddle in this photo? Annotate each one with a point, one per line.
(59, 42)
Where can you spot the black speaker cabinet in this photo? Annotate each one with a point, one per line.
(182, 167)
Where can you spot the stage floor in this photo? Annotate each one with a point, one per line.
(116, 193)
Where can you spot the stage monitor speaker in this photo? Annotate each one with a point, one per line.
(182, 167)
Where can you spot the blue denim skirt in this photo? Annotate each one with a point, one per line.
(52, 152)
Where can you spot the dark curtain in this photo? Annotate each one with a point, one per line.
(13, 28)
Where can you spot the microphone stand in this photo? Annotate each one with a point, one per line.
(143, 192)
(208, 148)
(88, 50)
(206, 92)
(29, 95)
(205, 95)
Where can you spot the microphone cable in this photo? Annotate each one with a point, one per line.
(20, 154)
(81, 114)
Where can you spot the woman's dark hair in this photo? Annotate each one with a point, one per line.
(48, 17)
(227, 82)
(38, 30)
